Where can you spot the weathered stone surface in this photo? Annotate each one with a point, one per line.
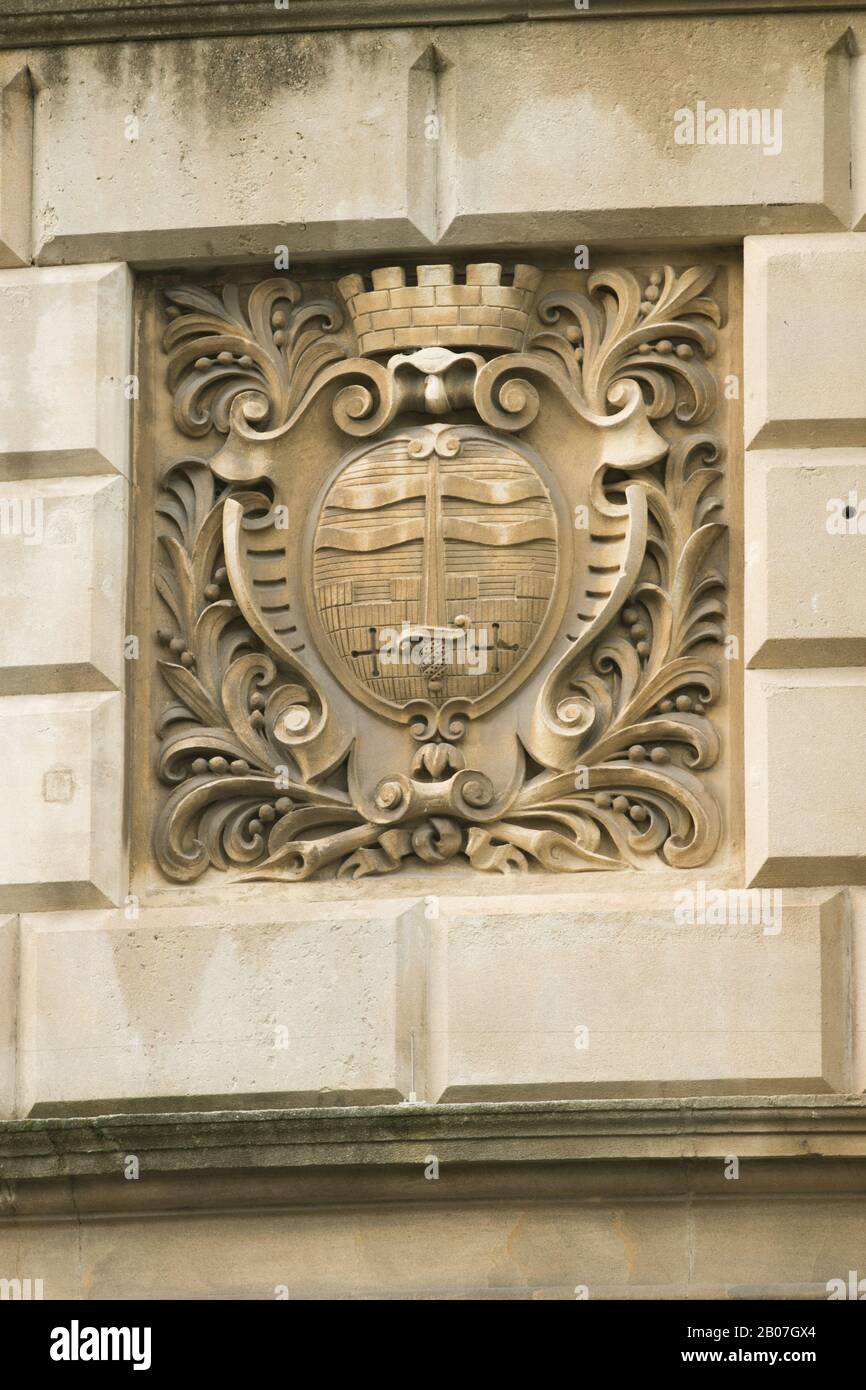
(63, 551)
(216, 1005)
(805, 371)
(626, 1199)
(61, 824)
(858, 118)
(8, 1012)
(65, 343)
(451, 595)
(385, 145)
(151, 189)
(16, 164)
(580, 122)
(603, 121)
(624, 1000)
(805, 546)
(805, 805)
(112, 19)
(480, 1002)
(858, 989)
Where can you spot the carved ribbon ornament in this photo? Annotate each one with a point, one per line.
(451, 580)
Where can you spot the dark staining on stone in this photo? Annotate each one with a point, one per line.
(237, 79)
(51, 68)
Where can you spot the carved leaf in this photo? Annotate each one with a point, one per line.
(217, 351)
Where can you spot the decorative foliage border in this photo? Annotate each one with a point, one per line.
(635, 702)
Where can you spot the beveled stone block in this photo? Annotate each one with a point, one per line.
(858, 988)
(805, 746)
(61, 832)
(858, 117)
(105, 186)
(62, 585)
(65, 344)
(715, 992)
(289, 1003)
(8, 1012)
(16, 165)
(805, 545)
(804, 365)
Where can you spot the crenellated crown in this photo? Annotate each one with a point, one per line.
(440, 310)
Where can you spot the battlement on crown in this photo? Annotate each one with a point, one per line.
(439, 308)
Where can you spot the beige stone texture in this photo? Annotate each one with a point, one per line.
(8, 1012)
(804, 309)
(857, 911)
(805, 558)
(287, 1059)
(43, 1251)
(236, 150)
(622, 1199)
(65, 344)
(217, 1006)
(628, 1001)
(805, 802)
(597, 134)
(63, 546)
(501, 1250)
(61, 819)
(858, 138)
(187, 1007)
(16, 160)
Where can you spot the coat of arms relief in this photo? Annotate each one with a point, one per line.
(447, 580)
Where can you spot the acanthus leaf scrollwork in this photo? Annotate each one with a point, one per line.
(611, 748)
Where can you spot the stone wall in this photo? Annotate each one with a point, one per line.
(135, 159)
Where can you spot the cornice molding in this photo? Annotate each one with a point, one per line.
(40, 23)
(535, 1132)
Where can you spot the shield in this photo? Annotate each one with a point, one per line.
(434, 563)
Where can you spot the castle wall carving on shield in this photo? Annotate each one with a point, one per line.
(440, 565)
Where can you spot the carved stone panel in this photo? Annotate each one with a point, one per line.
(440, 568)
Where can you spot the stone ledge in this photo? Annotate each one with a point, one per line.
(45, 22)
(337, 1136)
(336, 1202)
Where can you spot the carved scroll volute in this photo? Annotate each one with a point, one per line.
(260, 558)
(530, 497)
(559, 722)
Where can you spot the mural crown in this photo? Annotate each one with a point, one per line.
(436, 306)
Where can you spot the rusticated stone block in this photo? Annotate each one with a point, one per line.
(193, 1002)
(8, 1012)
(65, 342)
(805, 305)
(62, 840)
(707, 990)
(63, 557)
(805, 805)
(16, 167)
(805, 544)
